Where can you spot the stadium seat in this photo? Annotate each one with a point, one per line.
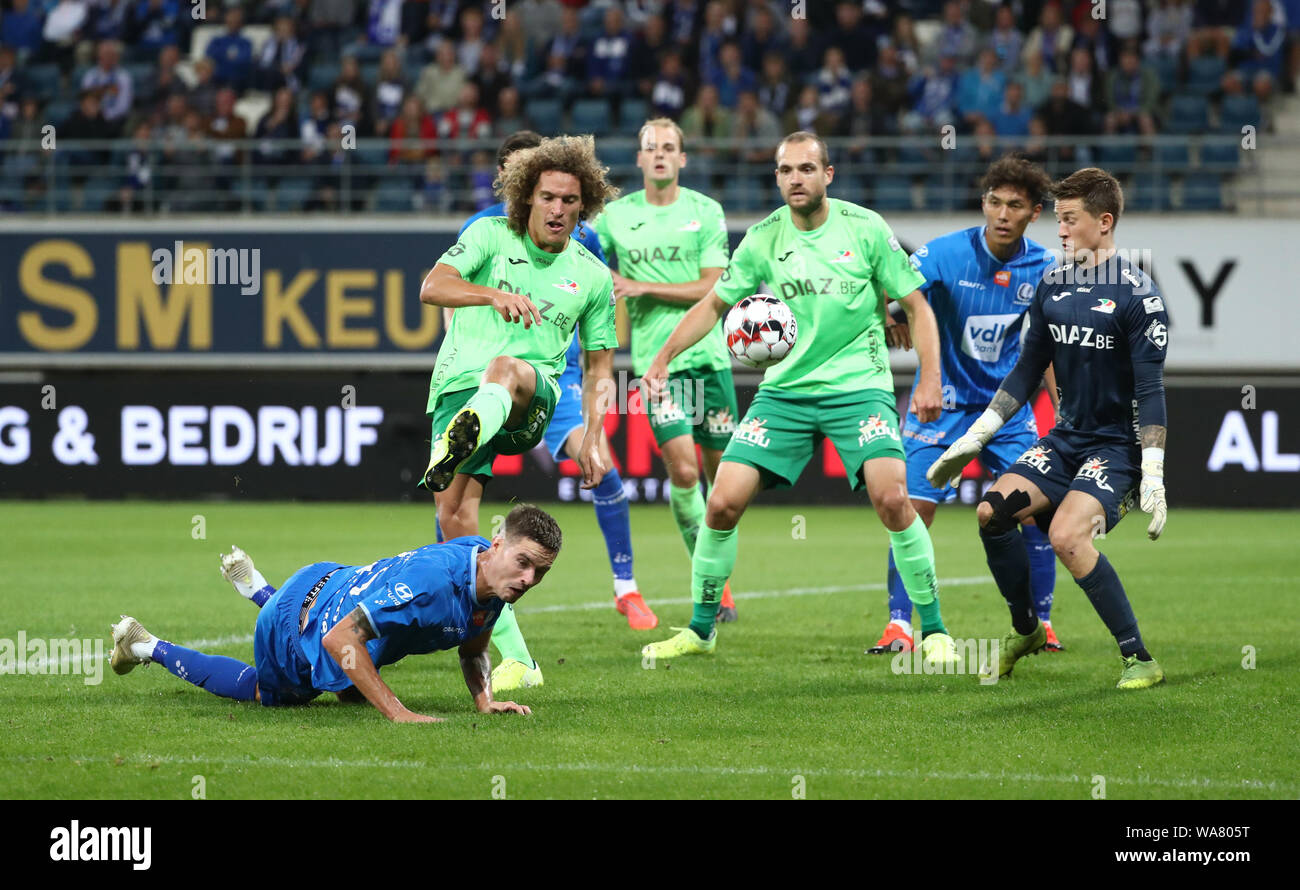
(892, 193)
(943, 193)
(545, 115)
(96, 194)
(1149, 193)
(591, 116)
(1202, 193)
(1204, 74)
(370, 73)
(1187, 115)
(323, 75)
(1174, 157)
(293, 193)
(366, 52)
(1237, 112)
(853, 188)
(633, 113)
(1222, 156)
(1166, 69)
(393, 196)
(142, 76)
(256, 194)
(59, 111)
(1117, 158)
(43, 80)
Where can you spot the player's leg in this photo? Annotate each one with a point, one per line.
(237, 568)
(710, 458)
(713, 412)
(223, 676)
(897, 636)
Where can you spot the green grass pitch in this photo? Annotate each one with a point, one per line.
(787, 704)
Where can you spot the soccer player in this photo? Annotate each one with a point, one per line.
(1102, 324)
(496, 382)
(832, 262)
(564, 432)
(670, 247)
(331, 627)
(979, 282)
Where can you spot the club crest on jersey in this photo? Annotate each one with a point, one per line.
(1037, 457)
(873, 428)
(753, 431)
(1002, 278)
(1157, 333)
(719, 422)
(567, 284)
(692, 226)
(1094, 468)
(844, 257)
(1153, 304)
(479, 618)
(1025, 294)
(1104, 305)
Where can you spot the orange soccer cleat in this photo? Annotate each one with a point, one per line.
(639, 615)
(727, 608)
(1053, 644)
(894, 639)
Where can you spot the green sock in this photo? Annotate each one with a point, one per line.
(688, 513)
(711, 566)
(508, 640)
(914, 557)
(492, 404)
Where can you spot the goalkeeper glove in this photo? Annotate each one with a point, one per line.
(1151, 492)
(947, 469)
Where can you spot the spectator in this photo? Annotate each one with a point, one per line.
(754, 129)
(441, 80)
(277, 125)
(1259, 48)
(1093, 36)
(20, 28)
(152, 25)
(541, 18)
(864, 120)
(203, 95)
(1132, 94)
(681, 22)
(113, 83)
(516, 50)
(1169, 28)
(889, 82)
(1065, 117)
(413, 123)
(190, 180)
(467, 119)
(733, 77)
(482, 172)
(431, 23)
(641, 12)
(314, 128)
(470, 43)
(1011, 120)
(87, 122)
(713, 35)
(957, 38)
(10, 88)
(107, 20)
(980, 90)
(349, 97)
(390, 91)
(761, 38)
(384, 22)
(167, 81)
(807, 113)
(909, 48)
(643, 62)
(855, 39)
(934, 98)
(1124, 21)
(1006, 40)
(987, 149)
(833, 82)
(668, 95)
(1036, 81)
(774, 90)
(804, 55)
(1086, 88)
(1051, 39)
(172, 125)
(1216, 23)
(279, 64)
(326, 20)
(510, 117)
(705, 120)
(1036, 149)
(492, 77)
(226, 126)
(607, 57)
(568, 46)
(62, 30)
(232, 53)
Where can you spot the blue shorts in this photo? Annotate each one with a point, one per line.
(924, 442)
(283, 672)
(567, 416)
(1065, 461)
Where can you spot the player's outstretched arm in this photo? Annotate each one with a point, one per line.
(694, 327)
(686, 293)
(927, 401)
(597, 395)
(443, 286)
(477, 668)
(346, 643)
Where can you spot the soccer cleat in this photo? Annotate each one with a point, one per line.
(1053, 644)
(1139, 674)
(126, 633)
(455, 446)
(237, 568)
(686, 642)
(727, 608)
(1013, 647)
(894, 639)
(513, 674)
(939, 650)
(639, 615)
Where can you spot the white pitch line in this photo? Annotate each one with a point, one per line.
(784, 772)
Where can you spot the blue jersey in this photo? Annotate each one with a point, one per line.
(584, 234)
(979, 302)
(420, 601)
(1105, 331)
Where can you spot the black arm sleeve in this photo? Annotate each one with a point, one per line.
(1149, 390)
(1147, 326)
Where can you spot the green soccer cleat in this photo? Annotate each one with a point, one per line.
(1139, 674)
(455, 446)
(939, 650)
(513, 674)
(1013, 647)
(127, 633)
(685, 642)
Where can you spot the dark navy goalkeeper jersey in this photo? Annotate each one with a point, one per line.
(979, 302)
(1105, 331)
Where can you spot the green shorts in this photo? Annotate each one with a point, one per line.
(515, 441)
(780, 433)
(700, 403)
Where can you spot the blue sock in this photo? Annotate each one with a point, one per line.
(261, 596)
(1108, 598)
(217, 674)
(900, 606)
(1042, 569)
(612, 514)
(1009, 563)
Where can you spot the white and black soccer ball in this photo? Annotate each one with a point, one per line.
(760, 330)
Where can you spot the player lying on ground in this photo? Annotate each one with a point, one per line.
(331, 627)
(1100, 321)
(670, 246)
(496, 383)
(833, 262)
(979, 282)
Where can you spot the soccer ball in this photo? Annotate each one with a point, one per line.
(760, 331)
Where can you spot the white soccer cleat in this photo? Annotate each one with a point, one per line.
(131, 645)
(237, 568)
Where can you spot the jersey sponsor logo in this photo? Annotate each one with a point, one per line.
(926, 438)
(1153, 304)
(812, 286)
(567, 284)
(669, 254)
(403, 592)
(1082, 335)
(1002, 278)
(1056, 298)
(923, 250)
(1085, 290)
(692, 226)
(1037, 457)
(719, 422)
(977, 285)
(1130, 278)
(845, 256)
(1094, 468)
(667, 411)
(1157, 333)
(984, 335)
(893, 243)
(1025, 294)
(875, 427)
(1104, 305)
(754, 432)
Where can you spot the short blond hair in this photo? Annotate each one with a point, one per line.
(661, 122)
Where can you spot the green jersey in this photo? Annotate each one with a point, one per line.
(834, 279)
(671, 245)
(570, 289)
